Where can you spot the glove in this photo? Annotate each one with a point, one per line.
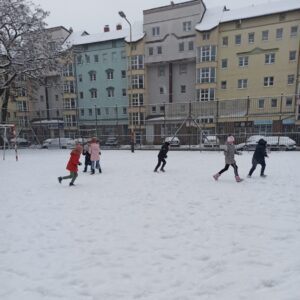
(79, 164)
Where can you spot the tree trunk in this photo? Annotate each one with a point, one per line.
(4, 107)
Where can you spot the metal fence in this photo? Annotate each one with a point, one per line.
(149, 125)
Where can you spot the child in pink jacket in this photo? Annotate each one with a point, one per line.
(94, 150)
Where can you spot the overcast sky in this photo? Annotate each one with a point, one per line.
(92, 15)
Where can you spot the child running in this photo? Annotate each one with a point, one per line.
(162, 155)
(72, 165)
(229, 152)
(259, 158)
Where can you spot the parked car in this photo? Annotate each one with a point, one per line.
(111, 141)
(173, 140)
(63, 143)
(273, 143)
(211, 141)
(21, 142)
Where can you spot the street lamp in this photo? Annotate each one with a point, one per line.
(122, 15)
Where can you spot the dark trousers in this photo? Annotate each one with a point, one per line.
(254, 165)
(160, 160)
(72, 176)
(235, 168)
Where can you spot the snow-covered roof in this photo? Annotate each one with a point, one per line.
(80, 39)
(216, 15)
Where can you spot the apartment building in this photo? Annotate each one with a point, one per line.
(250, 55)
(100, 62)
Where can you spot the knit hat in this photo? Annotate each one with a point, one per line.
(230, 139)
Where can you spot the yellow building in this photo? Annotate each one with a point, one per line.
(250, 58)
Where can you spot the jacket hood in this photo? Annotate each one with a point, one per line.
(262, 142)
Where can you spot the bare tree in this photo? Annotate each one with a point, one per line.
(26, 48)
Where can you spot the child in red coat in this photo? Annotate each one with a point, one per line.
(72, 165)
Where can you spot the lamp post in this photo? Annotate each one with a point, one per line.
(122, 15)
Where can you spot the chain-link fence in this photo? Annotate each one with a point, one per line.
(193, 125)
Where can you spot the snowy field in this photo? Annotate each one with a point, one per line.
(132, 234)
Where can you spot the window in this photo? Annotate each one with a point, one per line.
(41, 98)
(206, 75)
(294, 31)
(273, 102)
(153, 109)
(183, 89)
(265, 35)
(81, 95)
(182, 68)
(93, 93)
(22, 92)
(150, 50)
(279, 33)
(205, 36)
(238, 39)
(56, 98)
(225, 41)
(161, 90)
(69, 103)
(92, 75)
(70, 120)
(96, 58)
(161, 71)
(137, 62)
(80, 78)
(292, 55)
(110, 74)
(137, 99)
(159, 50)
(187, 26)
(137, 81)
(98, 110)
(87, 59)
(206, 53)
(224, 63)
(124, 110)
(291, 79)
(289, 101)
(243, 61)
(261, 103)
(123, 54)
(69, 87)
(251, 37)
(124, 92)
(242, 83)
(68, 70)
(268, 81)
(181, 46)
(110, 92)
(79, 59)
(90, 112)
(224, 85)
(191, 45)
(270, 58)
(22, 106)
(155, 31)
(206, 94)
(123, 74)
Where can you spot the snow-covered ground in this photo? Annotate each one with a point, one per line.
(130, 233)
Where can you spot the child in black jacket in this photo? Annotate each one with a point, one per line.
(87, 160)
(162, 155)
(259, 157)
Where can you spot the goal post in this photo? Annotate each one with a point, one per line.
(4, 130)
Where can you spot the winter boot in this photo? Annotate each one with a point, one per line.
(71, 184)
(93, 172)
(59, 179)
(238, 179)
(263, 175)
(85, 169)
(162, 170)
(100, 171)
(216, 176)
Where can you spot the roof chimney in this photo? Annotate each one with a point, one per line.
(106, 28)
(119, 26)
